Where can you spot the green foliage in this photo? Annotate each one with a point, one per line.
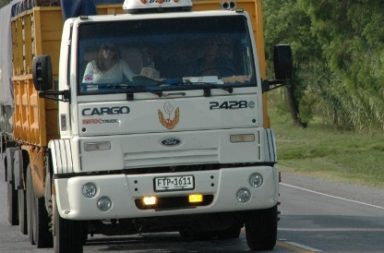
(338, 49)
(3, 2)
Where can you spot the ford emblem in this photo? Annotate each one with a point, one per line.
(170, 141)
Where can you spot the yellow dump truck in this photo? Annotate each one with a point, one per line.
(170, 133)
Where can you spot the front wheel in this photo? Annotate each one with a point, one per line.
(42, 235)
(261, 229)
(68, 235)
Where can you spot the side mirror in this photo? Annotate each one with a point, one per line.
(282, 61)
(42, 72)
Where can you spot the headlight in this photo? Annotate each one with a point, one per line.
(256, 180)
(104, 203)
(89, 190)
(243, 195)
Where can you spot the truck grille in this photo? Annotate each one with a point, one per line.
(166, 158)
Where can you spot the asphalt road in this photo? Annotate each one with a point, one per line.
(317, 216)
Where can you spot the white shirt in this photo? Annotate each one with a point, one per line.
(113, 75)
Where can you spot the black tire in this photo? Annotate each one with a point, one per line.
(68, 235)
(4, 165)
(21, 196)
(12, 211)
(42, 236)
(30, 200)
(261, 229)
(13, 218)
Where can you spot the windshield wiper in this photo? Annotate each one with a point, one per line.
(208, 86)
(157, 87)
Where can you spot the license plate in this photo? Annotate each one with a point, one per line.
(174, 183)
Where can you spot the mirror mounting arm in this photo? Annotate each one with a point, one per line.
(63, 96)
(268, 85)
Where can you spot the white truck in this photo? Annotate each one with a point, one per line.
(185, 150)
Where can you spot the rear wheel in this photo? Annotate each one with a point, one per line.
(261, 229)
(68, 235)
(13, 218)
(30, 206)
(22, 211)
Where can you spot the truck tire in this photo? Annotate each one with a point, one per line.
(261, 229)
(42, 235)
(3, 165)
(30, 206)
(68, 235)
(21, 196)
(13, 218)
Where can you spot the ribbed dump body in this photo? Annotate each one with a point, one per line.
(34, 32)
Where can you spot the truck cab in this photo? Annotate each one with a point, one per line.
(178, 144)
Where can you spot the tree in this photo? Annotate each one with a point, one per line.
(338, 49)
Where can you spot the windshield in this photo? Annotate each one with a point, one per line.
(183, 53)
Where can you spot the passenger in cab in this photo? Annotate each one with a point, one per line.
(107, 68)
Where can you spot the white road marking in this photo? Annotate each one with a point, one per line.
(296, 247)
(305, 247)
(332, 229)
(332, 196)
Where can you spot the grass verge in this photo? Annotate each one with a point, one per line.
(328, 152)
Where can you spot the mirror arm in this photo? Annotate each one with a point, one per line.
(63, 96)
(268, 85)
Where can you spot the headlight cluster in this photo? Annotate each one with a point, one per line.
(244, 194)
(89, 191)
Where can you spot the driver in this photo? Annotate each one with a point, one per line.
(213, 63)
